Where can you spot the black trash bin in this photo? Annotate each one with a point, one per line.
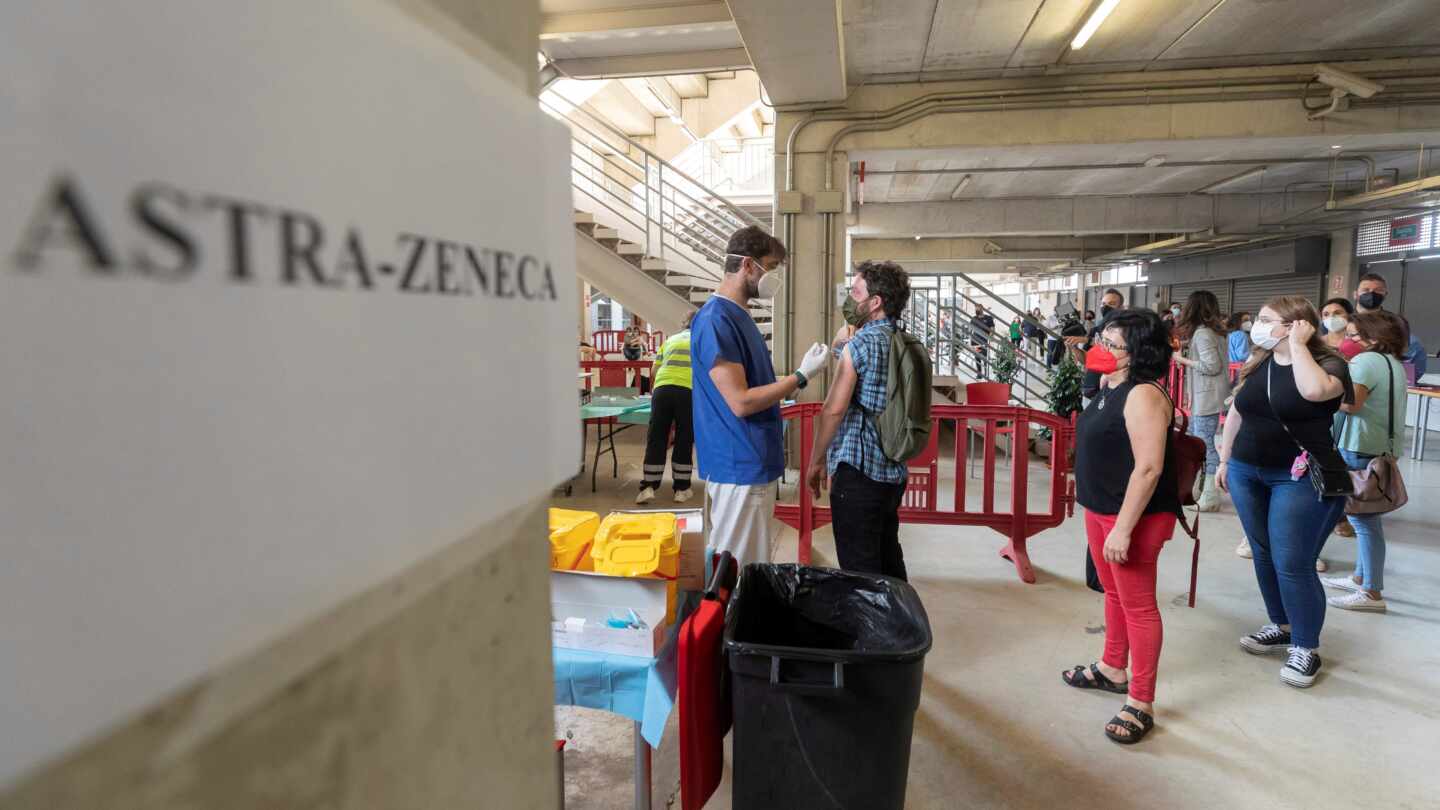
(826, 671)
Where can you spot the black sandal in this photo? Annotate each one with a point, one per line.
(1137, 733)
(1076, 678)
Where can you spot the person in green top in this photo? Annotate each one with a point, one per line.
(670, 407)
(1371, 426)
(1016, 333)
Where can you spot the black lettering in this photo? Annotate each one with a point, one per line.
(62, 217)
(502, 274)
(413, 263)
(520, 275)
(236, 214)
(300, 241)
(143, 201)
(477, 267)
(548, 288)
(352, 260)
(444, 253)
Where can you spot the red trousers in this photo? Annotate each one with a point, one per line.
(1132, 619)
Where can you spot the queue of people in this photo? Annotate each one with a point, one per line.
(1318, 395)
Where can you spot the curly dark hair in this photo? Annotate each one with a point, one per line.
(753, 241)
(889, 281)
(1147, 339)
(1202, 308)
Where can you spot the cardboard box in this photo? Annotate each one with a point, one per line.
(694, 539)
(581, 603)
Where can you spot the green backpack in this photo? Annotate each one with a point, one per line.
(904, 424)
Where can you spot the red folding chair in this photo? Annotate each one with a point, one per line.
(923, 476)
(989, 393)
(608, 341)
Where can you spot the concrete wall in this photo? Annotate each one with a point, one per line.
(430, 690)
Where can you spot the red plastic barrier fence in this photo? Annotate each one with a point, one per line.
(618, 373)
(1018, 523)
(1175, 386)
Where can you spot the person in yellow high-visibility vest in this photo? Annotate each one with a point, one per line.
(670, 406)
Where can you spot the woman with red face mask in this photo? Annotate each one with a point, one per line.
(1131, 500)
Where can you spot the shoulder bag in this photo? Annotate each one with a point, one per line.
(1185, 454)
(1379, 488)
(1328, 483)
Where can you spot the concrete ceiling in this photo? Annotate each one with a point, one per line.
(906, 40)
(986, 183)
(613, 38)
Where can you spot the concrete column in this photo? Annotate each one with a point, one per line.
(426, 690)
(1340, 282)
(811, 303)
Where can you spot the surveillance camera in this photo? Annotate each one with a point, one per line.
(1347, 82)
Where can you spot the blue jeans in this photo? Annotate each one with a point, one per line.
(1369, 536)
(1286, 525)
(1204, 428)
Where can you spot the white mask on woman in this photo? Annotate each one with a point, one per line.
(1246, 326)
(1263, 335)
(1334, 323)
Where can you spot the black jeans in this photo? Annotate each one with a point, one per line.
(865, 517)
(670, 406)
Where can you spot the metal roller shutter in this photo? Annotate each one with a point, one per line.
(1180, 292)
(1252, 293)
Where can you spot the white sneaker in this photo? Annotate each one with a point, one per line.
(1321, 565)
(646, 495)
(683, 495)
(1243, 550)
(1358, 600)
(1340, 583)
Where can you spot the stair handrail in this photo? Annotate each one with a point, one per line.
(663, 164)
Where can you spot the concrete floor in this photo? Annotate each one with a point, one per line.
(997, 728)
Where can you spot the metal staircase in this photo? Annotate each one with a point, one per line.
(649, 214)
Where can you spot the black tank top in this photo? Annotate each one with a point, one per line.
(1104, 459)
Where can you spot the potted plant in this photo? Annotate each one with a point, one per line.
(1064, 397)
(1007, 364)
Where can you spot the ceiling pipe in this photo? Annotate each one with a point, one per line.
(1078, 86)
(1183, 164)
(1053, 103)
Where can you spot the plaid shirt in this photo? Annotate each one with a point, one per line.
(857, 442)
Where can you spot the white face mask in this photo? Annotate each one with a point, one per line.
(1246, 326)
(1334, 323)
(1263, 335)
(1175, 311)
(770, 284)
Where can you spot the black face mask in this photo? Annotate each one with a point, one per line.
(1371, 300)
(1104, 310)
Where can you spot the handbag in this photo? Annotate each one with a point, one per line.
(1328, 483)
(1185, 454)
(1379, 488)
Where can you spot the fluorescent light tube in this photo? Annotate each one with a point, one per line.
(1093, 24)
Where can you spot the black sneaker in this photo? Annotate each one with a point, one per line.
(1268, 640)
(1301, 668)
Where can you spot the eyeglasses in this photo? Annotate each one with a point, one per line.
(1110, 344)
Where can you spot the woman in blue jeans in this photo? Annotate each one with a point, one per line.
(1370, 427)
(1289, 393)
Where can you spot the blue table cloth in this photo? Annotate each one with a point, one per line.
(642, 689)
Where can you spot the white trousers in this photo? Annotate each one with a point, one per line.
(739, 517)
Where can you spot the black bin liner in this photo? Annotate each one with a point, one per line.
(826, 674)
